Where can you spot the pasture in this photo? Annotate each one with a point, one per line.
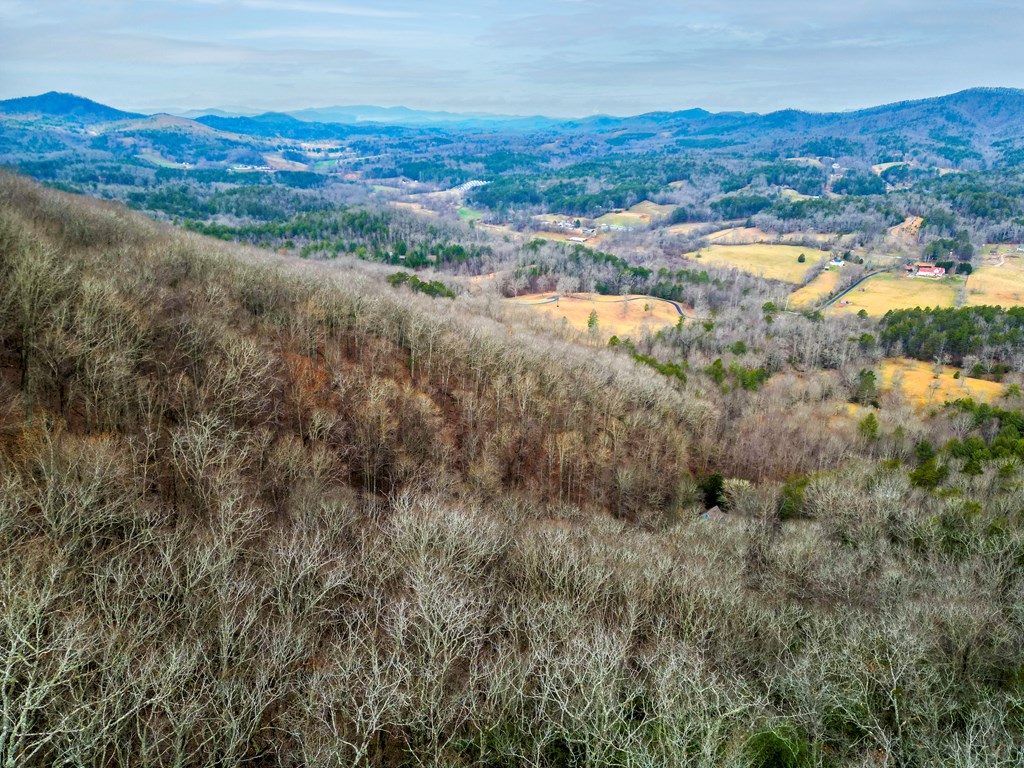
(753, 235)
(1001, 284)
(776, 262)
(157, 160)
(888, 291)
(815, 291)
(639, 215)
(925, 385)
(615, 315)
(693, 228)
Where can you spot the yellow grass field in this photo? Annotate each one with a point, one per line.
(896, 291)
(641, 214)
(278, 163)
(792, 194)
(816, 290)
(777, 262)
(1002, 285)
(739, 236)
(880, 168)
(923, 388)
(685, 230)
(614, 316)
(654, 210)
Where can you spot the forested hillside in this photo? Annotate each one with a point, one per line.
(261, 512)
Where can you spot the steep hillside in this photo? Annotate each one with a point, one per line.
(257, 513)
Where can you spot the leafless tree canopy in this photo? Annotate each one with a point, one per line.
(258, 516)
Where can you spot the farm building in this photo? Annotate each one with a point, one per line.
(925, 270)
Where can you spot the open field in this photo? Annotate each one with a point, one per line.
(614, 314)
(777, 262)
(641, 214)
(1001, 249)
(278, 163)
(739, 236)
(816, 290)
(157, 160)
(880, 168)
(1002, 285)
(654, 210)
(752, 235)
(792, 194)
(686, 230)
(923, 386)
(468, 214)
(896, 291)
(806, 161)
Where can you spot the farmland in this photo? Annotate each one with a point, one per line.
(816, 290)
(622, 315)
(888, 291)
(776, 262)
(639, 215)
(1001, 284)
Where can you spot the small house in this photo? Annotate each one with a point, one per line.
(929, 270)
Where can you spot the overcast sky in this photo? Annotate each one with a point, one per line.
(555, 57)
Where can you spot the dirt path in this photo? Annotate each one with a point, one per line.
(555, 297)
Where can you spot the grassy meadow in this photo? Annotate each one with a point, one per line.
(888, 291)
(775, 262)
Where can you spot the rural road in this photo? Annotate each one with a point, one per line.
(828, 303)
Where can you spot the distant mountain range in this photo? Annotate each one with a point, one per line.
(971, 121)
(1000, 107)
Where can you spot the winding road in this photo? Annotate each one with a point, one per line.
(555, 298)
(829, 302)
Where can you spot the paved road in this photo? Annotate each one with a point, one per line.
(829, 302)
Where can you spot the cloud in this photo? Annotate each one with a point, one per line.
(554, 56)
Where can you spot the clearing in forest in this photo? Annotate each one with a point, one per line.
(158, 160)
(925, 384)
(908, 229)
(879, 294)
(776, 262)
(621, 315)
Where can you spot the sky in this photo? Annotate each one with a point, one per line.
(552, 57)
